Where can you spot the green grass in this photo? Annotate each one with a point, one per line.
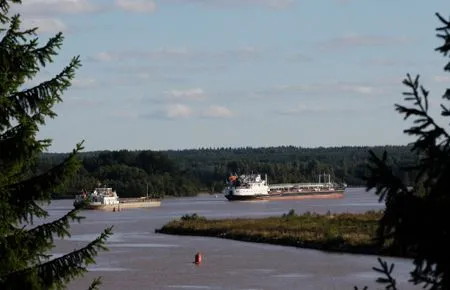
(351, 233)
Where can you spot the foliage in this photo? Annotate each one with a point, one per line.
(187, 172)
(291, 213)
(414, 217)
(192, 217)
(24, 245)
(345, 232)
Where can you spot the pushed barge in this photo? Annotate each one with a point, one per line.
(253, 187)
(105, 198)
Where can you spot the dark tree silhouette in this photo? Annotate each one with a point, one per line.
(416, 218)
(25, 262)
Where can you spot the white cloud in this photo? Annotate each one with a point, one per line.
(82, 102)
(338, 87)
(45, 25)
(381, 61)
(103, 57)
(301, 109)
(215, 111)
(58, 7)
(178, 55)
(355, 40)
(174, 111)
(136, 5)
(52, 7)
(274, 4)
(188, 94)
(323, 108)
(83, 83)
(125, 114)
(442, 79)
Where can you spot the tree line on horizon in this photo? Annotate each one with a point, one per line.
(190, 171)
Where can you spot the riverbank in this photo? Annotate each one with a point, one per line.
(346, 233)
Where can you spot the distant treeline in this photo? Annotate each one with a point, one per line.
(188, 172)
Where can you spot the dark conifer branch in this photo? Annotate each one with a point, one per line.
(412, 217)
(25, 250)
(24, 194)
(59, 271)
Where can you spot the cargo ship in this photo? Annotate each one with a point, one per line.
(254, 187)
(105, 198)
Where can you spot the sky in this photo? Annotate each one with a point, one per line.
(178, 74)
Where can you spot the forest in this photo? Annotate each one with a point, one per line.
(192, 171)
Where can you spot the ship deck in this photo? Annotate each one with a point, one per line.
(284, 186)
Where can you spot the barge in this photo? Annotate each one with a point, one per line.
(105, 198)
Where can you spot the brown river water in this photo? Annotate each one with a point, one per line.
(140, 259)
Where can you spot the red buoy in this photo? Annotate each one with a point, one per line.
(198, 258)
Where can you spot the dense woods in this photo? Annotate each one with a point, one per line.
(188, 172)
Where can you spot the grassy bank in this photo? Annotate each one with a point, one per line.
(350, 233)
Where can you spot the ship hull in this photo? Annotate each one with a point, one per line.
(288, 195)
(123, 205)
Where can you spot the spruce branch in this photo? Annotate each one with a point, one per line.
(14, 36)
(426, 275)
(387, 271)
(45, 53)
(95, 285)
(19, 147)
(23, 195)
(409, 220)
(56, 273)
(40, 99)
(33, 243)
(4, 9)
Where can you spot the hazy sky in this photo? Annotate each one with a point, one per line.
(174, 74)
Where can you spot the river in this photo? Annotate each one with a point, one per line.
(140, 259)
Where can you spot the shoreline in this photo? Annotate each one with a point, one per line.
(338, 233)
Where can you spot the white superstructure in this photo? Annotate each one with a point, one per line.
(99, 197)
(247, 185)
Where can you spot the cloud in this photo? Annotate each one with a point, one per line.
(441, 79)
(355, 40)
(136, 5)
(215, 111)
(389, 62)
(82, 102)
(110, 56)
(300, 57)
(172, 68)
(178, 55)
(45, 25)
(303, 109)
(300, 109)
(334, 88)
(178, 111)
(171, 111)
(124, 114)
(50, 8)
(272, 4)
(103, 57)
(57, 7)
(188, 94)
(84, 83)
